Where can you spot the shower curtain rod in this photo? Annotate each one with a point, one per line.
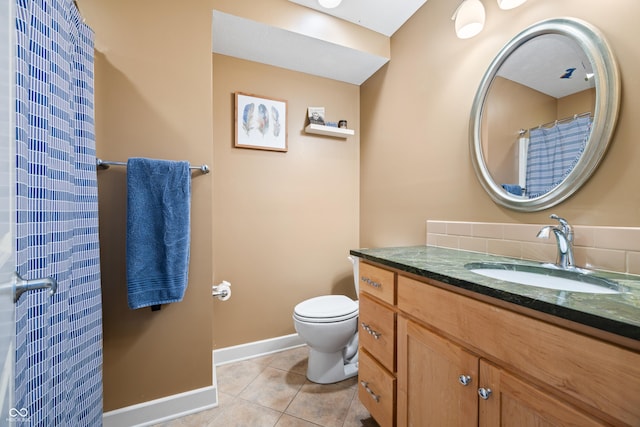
(106, 163)
(555, 122)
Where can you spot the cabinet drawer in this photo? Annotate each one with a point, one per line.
(377, 331)
(376, 389)
(378, 282)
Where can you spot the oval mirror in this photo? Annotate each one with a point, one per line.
(544, 114)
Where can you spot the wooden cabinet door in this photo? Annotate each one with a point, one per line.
(429, 370)
(514, 402)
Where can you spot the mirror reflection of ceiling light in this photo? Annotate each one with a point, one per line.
(469, 18)
(509, 4)
(329, 4)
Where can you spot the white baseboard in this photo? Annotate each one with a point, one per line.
(236, 353)
(163, 409)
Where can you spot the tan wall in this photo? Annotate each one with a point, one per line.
(153, 99)
(415, 159)
(277, 225)
(504, 118)
(283, 222)
(577, 103)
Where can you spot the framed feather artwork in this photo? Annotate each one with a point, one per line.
(261, 122)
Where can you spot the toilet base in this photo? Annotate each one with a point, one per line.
(327, 368)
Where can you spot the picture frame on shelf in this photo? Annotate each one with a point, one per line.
(260, 122)
(316, 115)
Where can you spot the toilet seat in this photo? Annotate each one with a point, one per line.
(326, 309)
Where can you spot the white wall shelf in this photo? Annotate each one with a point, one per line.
(329, 130)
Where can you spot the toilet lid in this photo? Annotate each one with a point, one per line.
(327, 308)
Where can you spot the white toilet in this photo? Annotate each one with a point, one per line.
(329, 326)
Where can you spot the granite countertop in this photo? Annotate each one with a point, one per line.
(615, 313)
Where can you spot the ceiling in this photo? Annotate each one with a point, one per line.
(537, 64)
(540, 62)
(381, 16)
(255, 41)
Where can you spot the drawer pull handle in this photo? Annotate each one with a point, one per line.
(464, 380)
(484, 393)
(366, 387)
(370, 282)
(376, 335)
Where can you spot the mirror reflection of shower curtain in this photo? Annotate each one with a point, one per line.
(553, 153)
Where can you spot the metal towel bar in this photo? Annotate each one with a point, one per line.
(106, 163)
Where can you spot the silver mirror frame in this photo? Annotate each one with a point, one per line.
(607, 85)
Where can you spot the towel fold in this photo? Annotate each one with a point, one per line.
(158, 231)
(513, 189)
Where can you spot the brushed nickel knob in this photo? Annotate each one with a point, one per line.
(484, 393)
(464, 380)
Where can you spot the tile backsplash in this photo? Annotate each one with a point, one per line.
(602, 248)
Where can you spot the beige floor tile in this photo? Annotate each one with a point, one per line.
(324, 404)
(272, 391)
(243, 414)
(273, 388)
(289, 421)
(294, 360)
(266, 360)
(235, 377)
(202, 418)
(358, 416)
(199, 419)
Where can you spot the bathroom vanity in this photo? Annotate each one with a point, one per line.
(441, 345)
(447, 337)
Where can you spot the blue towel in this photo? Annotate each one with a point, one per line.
(158, 231)
(513, 189)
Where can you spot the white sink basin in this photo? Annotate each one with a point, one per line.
(550, 278)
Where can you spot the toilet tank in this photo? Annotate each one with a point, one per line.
(356, 275)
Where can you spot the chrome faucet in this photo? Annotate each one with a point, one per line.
(564, 239)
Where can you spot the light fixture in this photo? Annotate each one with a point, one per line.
(329, 4)
(469, 18)
(509, 4)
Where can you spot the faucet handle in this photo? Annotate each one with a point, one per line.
(563, 222)
(566, 228)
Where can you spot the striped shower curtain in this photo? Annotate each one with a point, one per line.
(58, 379)
(553, 153)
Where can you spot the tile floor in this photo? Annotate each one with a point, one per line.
(272, 391)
